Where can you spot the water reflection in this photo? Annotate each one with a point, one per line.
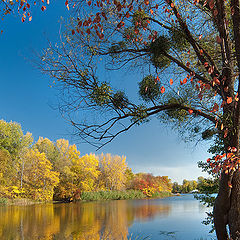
(91, 221)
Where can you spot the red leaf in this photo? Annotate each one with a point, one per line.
(229, 100)
(190, 111)
(215, 107)
(234, 149)
(225, 132)
(171, 82)
(89, 3)
(73, 32)
(211, 4)
(218, 40)
(43, 8)
(162, 89)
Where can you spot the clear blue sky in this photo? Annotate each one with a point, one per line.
(27, 99)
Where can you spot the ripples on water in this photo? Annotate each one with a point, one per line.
(159, 219)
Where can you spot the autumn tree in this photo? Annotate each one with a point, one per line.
(22, 8)
(39, 179)
(113, 170)
(189, 52)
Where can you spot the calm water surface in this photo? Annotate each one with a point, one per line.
(159, 219)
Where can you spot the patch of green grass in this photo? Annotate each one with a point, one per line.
(162, 194)
(112, 195)
(3, 200)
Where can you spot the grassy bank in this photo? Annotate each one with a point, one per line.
(120, 195)
(112, 195)
(18, 201)
(94, 196)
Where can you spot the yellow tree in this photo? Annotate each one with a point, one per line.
(113, 170)
(86, 172)
(5, 170)
(38, 179)
(48, 147)
(68, 154)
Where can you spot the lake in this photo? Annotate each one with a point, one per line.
(177, 217)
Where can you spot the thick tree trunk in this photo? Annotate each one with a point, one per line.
(221, 208)
(234, 212)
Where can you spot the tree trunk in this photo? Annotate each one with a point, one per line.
(234, 212)
(227, 207)
(221, 208)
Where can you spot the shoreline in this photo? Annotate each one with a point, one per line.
(91, 197)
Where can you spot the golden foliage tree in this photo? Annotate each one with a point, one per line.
(113, 171)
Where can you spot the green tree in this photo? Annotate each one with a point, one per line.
(177, 188)
(190, 49)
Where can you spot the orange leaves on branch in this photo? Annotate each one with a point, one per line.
(211, 70)
(66, 4)
(171, 82)
(162, 89)
(190, 111)
(43, 8)
(225, 133)
(236, 97)
(146, 2)
(229, 100)
(184, 80)
(216, 81)
(211, 4)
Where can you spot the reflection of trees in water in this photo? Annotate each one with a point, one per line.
(87, 221)
(148, 211)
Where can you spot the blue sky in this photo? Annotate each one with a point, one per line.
(26, 97)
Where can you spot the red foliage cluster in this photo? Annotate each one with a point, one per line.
(229, 164)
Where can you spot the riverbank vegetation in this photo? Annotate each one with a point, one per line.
(46, 170)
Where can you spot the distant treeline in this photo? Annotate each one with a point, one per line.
(46, 170)
(202, 185)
